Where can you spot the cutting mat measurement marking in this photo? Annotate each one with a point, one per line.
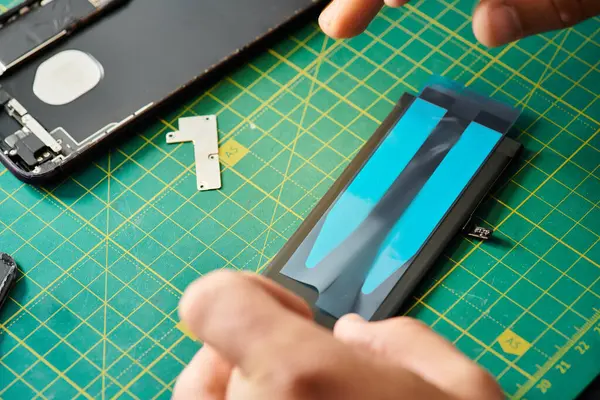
(390, 69)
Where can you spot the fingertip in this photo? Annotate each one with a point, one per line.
(287, 298)
(395, 3)
(352, 319)
(344, 19)
(329, 21)
(197, 295)
(336, 30)
(186, 303)
(348, 325)
(480, 26)
(495, 24)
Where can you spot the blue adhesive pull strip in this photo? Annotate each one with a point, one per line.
(376, 177)
(432, 203)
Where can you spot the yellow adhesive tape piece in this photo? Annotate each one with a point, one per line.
(232, 152)
(512, 343)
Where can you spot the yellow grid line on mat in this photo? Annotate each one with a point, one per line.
(587, 320)
(516, 45)
(519, 243)
(557, 356)
(543, 292)
(500, 62)
(286, 174)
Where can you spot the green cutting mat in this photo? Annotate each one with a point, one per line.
(107, 253)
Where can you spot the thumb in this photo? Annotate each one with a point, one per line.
(498, 22)
(412, 345)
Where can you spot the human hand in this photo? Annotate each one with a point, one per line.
(260, 343)
(495, 22)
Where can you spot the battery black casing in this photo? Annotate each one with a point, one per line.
(452, 224)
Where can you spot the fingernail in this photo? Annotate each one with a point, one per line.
(505, 23)
(329, 13)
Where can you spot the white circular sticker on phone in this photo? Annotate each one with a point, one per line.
(66, 76)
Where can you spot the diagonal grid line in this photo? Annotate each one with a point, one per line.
(293, 149)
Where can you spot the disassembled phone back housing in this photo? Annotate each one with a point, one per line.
(414, 185)
(128, 63)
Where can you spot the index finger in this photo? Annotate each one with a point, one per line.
(251, 323)
(347, 18)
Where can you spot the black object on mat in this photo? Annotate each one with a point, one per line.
(150, 50)
(8, 275)
(397, 290)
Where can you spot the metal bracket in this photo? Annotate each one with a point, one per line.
(31, 125)
(203, 133)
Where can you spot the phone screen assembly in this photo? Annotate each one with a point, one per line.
(414, 185)
(59, 102)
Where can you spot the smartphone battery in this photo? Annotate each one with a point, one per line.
(385, 221)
